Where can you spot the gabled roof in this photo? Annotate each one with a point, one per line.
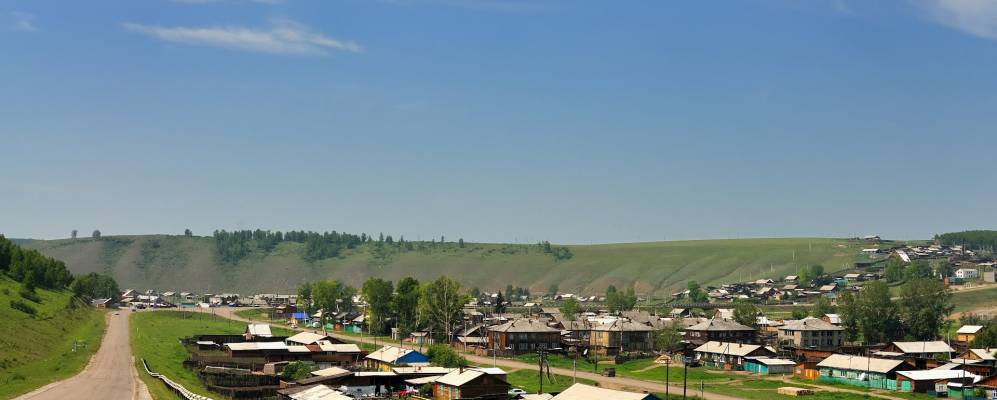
(250, 346)
(858, 363)
(622, 326)
(719, 325)
(773, 361)
(328, 346)
(734, 349)
(834, 318)
(523, 325)
(938, 374)
(390, 354)
(332, 372)
(459, 378)
(809, 324)
(984, 354)
(319, 392)
(969, 329)
(580, 391)
(306, 338)
(261, 330)
(936, 346)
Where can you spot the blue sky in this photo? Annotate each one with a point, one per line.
(570, 121)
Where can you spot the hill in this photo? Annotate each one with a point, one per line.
(38, 349)
(191, 264)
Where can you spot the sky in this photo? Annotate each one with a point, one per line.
(499, 121)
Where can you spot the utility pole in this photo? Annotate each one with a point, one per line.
(668, 362)
(685, 377)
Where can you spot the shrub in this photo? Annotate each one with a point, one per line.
(445, 356)
(23, 307)
(30, 295)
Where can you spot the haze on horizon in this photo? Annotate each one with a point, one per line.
(499, 121)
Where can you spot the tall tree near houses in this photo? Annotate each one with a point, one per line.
(924, 304)
(305, 296)
(405, 305)
(849, 312)
(745, 313)
(821, 306)
(332, 296)
(570, 308)
(499, 304)
(442, 303)
(377, 293)
(878, 317)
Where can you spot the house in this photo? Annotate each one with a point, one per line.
(767, 366)
(967, 273)
(792, 278)
(932, 380)
(829, 288)
(984, 356)
(679, 312)
(859, 371)
(853, 277)
(728, 355)
(388, 357)
(254, 331)
(811, 333)
(332, 372)
(580, 391)
(523, 335)
(921, 350)
(474, 383)
(833, 319)
(317, 392)
(967, 333)
(726, 314)
(620, 335)
(719, 330)
(474, 336)
(306, 338)
(102, 303)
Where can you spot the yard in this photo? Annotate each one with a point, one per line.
(155, 337)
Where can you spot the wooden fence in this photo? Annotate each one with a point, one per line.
(175, 387)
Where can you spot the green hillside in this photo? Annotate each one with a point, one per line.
(38, 349)
(189, 263)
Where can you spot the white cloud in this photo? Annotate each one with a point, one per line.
(975, 17)
(23, 22)
(283, 36)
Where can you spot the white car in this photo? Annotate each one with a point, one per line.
(517, 392)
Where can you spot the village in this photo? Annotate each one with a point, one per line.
(698, 328)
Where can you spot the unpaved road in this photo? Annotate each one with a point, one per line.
(109, 375)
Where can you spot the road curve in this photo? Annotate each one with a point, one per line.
(109, 375)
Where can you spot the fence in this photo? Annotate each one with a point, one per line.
(176, 387)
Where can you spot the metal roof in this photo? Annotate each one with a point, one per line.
(719, 325)
(306, 338)
(969, 329)
(332, 372)
(937, 374)
(250, 346)
(320, 392)
(261, 330)
(734, 349)
(580, 391)
(809, 324)
(858, 363)
(936, 346)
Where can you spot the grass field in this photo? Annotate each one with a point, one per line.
(39, 350)
(975, 299)
(188, 264)
(155, 337)
(530, 381)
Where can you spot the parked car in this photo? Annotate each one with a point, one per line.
(517, 392)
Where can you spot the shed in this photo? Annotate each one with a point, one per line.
(766, 366)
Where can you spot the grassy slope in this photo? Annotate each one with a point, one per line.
(155, 335)
(176, 263)
(975, 299)
(37, 351)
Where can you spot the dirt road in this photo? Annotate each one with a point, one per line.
(109, 375)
